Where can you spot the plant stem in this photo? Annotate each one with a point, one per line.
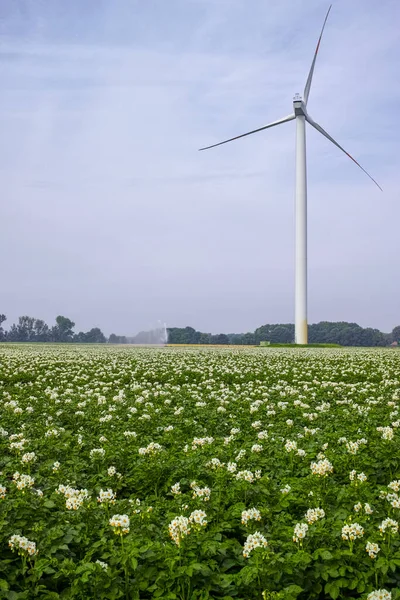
(125, 568)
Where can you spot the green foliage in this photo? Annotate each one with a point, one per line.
(94, 336)
(238, 430)
(2, 333)
(29, 329)
(324, 333)
(395, 337)
(117, 339)
(267, 344)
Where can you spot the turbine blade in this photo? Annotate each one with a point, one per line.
(324, 133)
(310, 75)
(283, 120)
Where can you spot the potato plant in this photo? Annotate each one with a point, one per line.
(190, 474)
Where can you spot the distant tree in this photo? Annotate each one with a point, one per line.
(153, 336)
(143, 337)
(24, 331)
(42, 331)
(235, 339)
(95, 336)
(12, 334)
(117, 339)
(79, 338)
(262, 333)
(320, 333)
(220, 339)
(26, 326)
(276, 334)
(395, 334)
(372, 337)
(249, 339)
(63, 330)
(190, 336)
(187, 335)
(281, 334)
(204, 338)
(2, 332)
(29, 329)
(346, 334)
(176, 335)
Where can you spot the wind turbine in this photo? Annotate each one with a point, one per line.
(301, 115)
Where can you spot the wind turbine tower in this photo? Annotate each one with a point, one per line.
(301, 116)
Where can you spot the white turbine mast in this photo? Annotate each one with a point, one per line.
(301, 115)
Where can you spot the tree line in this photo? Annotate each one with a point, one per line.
(29, 329)
(345, 334)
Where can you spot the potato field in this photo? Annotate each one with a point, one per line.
(196, 474)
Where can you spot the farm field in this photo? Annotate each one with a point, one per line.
(196, 474)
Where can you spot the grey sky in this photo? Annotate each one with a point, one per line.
(111, 216)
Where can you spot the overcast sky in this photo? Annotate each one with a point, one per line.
(110, 215)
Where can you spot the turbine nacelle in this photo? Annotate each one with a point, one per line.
(299, 107)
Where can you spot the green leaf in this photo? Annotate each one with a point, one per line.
(333, 572)
(380, 562)
(292, 591)
(360, 587)
(332, 588)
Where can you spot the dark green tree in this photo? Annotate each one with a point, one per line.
(396, 334)
(24, 331)
(117, 339)
(42, 331)
(63, 330)
(187, 335)
(249, 339)
(220, 339)
(95, 336)
(276, 334)
(2, 332)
